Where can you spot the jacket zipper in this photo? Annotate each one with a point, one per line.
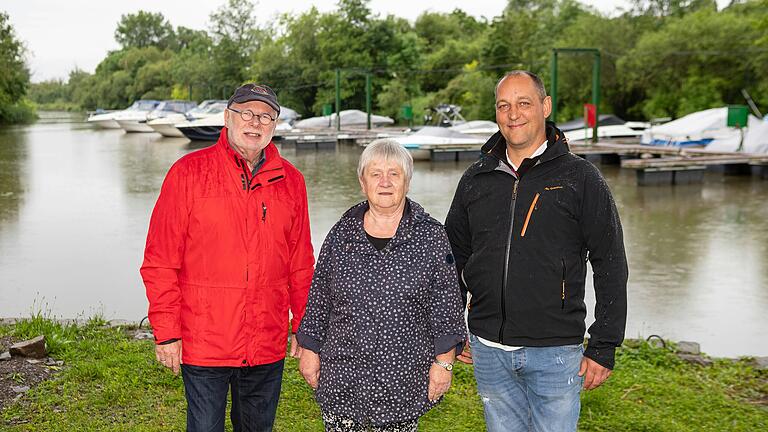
(263, 212)
(506, 259)
(562, 295)
(530, 212)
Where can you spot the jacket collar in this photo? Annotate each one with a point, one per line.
(413, 215)
(270, 172)
(494, 151)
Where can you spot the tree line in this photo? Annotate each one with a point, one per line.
(660, 58)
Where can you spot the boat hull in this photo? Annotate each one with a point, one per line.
(105, 124)
(201, 133)
(134, 126)
(167, 130)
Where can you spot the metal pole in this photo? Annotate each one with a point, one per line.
(553, 89)
(368, 97)
(189, 89)
(596, 92)
(338, 99)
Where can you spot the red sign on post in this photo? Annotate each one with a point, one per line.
(590, 117)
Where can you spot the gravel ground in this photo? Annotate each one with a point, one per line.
(17, 374)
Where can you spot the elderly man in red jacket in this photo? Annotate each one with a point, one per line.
(228, 257)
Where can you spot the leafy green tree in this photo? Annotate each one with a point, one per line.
(144, 29)
(473, 91)
(14, 79)
(702, 51)
(236, 37)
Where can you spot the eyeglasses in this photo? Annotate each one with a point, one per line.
(248, 115)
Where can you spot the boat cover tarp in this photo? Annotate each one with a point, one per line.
(349, 118)
(477, 127)
(605, 120)
(708, 128)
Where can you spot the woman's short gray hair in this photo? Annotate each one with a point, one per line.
(386, 149)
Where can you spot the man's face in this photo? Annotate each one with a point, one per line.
(520, 113)
(249, 136)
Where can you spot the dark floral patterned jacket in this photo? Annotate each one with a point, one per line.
(378, 318)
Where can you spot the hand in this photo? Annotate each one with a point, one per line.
(295, 347)
(169, 355)
(594, 374)
(309, 367)
(439, 382)
(466, 355)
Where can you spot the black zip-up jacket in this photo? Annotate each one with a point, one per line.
(521, 247)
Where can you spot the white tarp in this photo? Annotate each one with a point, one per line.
(349, 118)
(435, 135)
(755, 138)
(705, 128)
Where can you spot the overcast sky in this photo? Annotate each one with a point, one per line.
(61, 35)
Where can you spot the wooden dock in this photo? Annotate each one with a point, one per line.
(657, 165)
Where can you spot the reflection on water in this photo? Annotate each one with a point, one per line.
(75, 203)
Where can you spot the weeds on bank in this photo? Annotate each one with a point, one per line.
(111, 382)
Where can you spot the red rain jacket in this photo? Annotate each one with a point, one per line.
(226, 258)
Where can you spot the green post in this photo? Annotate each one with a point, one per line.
(553, 87)
(338, 99)
(368, 97)
(596, 93)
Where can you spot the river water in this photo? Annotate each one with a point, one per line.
(75, 204)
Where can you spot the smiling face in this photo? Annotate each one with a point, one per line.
(249, 137)
(384, 184)
(521, 113)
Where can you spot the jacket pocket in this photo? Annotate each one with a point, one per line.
(530, 212)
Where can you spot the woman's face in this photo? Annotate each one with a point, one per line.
(384, 184)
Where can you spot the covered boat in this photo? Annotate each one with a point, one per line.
(349, 119)
(422, 142)
(709, 128)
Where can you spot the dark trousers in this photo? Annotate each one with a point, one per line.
(255, 391)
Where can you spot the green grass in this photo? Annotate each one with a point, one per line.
(113, 383)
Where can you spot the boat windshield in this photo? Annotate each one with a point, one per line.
(144, 105)
(216, 108)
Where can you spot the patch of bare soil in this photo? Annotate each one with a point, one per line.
(19, 374)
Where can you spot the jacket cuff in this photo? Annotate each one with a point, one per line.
(604, 356)
(308, 342)
(445, 343)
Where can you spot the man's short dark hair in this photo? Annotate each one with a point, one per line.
(537, 82)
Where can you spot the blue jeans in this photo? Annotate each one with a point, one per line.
(255, 391)
(529, 389)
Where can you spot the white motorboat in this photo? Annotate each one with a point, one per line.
(136, 121)
(166, 126)
(429, 138)
(137, 111)
(104, 119)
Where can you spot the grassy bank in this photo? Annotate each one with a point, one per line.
(112, 382)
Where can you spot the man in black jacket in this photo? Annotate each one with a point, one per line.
(525, 219)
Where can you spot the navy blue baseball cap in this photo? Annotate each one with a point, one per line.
(255, 92)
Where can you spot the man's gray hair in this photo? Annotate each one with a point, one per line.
(537, 82)
(386, 149)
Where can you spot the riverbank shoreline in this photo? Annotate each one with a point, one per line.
(110, 380)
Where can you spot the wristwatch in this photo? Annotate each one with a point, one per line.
(447, 366)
